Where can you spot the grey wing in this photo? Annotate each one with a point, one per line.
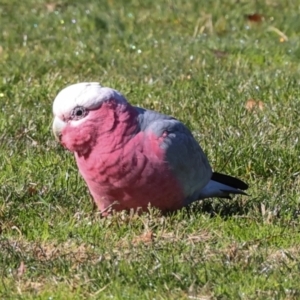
(184, 155)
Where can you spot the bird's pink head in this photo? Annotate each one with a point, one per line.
(83, 112)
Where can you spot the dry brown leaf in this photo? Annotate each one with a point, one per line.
(146, 238)
(21, 269)
(219, 53)
(252, 105)
(32, 190)
(51, 7)
(232, 251)
(255, 18)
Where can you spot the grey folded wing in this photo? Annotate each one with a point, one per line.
(184, 155)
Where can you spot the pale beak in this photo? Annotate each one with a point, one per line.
(57, 127)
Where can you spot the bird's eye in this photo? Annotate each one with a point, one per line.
(78, 113)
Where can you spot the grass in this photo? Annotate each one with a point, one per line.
(200, 61)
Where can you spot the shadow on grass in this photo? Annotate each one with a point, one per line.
(220, 207)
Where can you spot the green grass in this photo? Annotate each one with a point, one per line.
(161, 55)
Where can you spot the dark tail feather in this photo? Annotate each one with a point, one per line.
(222, 186)
(229, 180)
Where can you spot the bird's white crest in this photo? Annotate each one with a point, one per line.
(87, 94)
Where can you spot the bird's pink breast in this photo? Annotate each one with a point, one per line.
(134, 173)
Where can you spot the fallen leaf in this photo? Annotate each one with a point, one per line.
(21, 269)
(252, 104)
(232, 251)
(146, 238)
(219, 53)
(32, 190)
(51, 7)
(255, 18)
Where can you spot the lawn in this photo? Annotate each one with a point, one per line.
(230, 75)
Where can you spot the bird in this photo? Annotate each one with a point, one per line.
(131, 157)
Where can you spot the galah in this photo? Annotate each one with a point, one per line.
(131, 157)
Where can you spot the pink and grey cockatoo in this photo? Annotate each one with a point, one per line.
(132, 157)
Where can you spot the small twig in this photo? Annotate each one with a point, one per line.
(280, 33)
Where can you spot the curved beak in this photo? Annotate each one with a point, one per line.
(57, 127)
